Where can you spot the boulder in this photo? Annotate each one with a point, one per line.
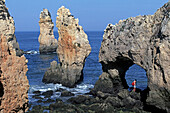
(47, 93)
(49, 101)
(123, 94)
(37, 92)
(60, 107)
(135, 95)
(141, 40)
(60, 90)
(13, 67)
(38, 109)
(114, 101)
(66, 94)
(48, 43)
(105, 84)
(80, 99)
(73, 49)
(103, 95)
(37, 97)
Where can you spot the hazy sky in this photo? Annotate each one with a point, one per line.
(93, 15)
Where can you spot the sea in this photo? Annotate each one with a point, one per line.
(38, 64)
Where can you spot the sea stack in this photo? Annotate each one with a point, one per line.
(7, 28)
(141, 40)
(13, 80)
(73, 49)
(48, 43)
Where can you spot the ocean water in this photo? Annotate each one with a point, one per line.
(38, 64)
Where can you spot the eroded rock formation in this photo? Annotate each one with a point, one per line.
(48, 43)
(141, 40)
(13, 81)
(8, 29)
(73, 48)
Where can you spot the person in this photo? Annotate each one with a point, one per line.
(134, 85)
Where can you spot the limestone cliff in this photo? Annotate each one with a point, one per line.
(141, 40)
(13, 81)
(73, 48)
(46, 38)
(8, 29)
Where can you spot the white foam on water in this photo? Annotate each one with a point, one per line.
(42, 88)
(79, 89)
(32, 52)
(82, 88)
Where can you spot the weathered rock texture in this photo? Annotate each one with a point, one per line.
(73, 48)
(141, 40)
(48, 43)
(13, 81)
(8, 29)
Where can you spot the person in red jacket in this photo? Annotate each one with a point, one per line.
(134, 85)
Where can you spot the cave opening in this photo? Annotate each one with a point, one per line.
(138, 73)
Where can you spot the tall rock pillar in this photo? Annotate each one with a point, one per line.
(73, 49)
(48, 43)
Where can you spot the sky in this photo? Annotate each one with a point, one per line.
(93, 15)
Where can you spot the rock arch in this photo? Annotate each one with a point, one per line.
(141, 40)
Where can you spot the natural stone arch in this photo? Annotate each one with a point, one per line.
(118, 69)
(141, 40)
(114, 73)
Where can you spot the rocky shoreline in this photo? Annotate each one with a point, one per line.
(124, 101)
(142, 40)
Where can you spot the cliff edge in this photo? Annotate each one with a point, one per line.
(13, 67)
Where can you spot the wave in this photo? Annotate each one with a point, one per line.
(78, 90)
(31, 52)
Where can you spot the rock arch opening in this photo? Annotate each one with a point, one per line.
(138, 73)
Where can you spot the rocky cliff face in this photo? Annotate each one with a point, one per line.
(46, 38)
(73, 48)
(13, 81)
(141, 40)
(8, 29)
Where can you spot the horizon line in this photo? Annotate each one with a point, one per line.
(57, 31)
